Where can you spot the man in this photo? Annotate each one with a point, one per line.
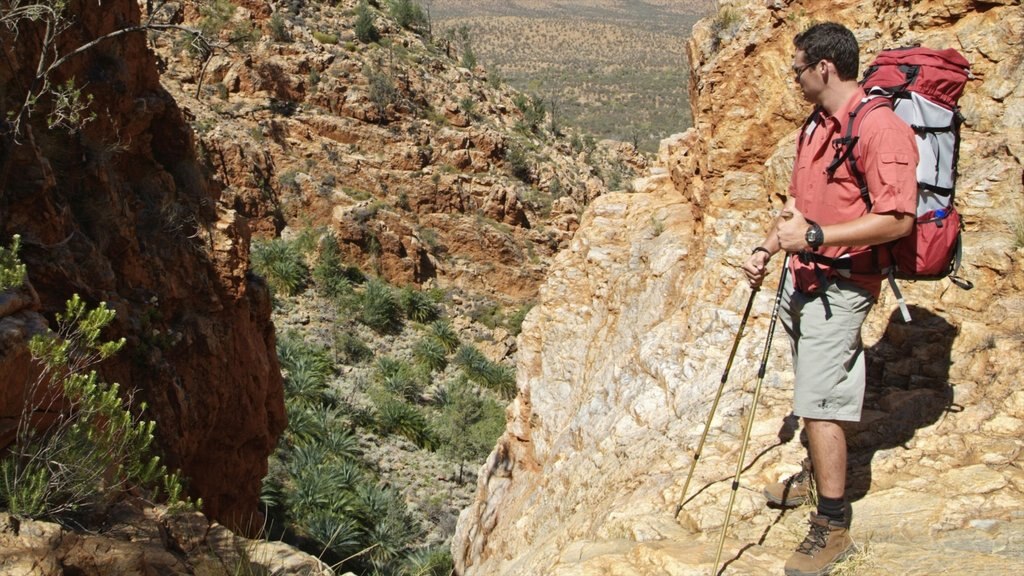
(833, 281)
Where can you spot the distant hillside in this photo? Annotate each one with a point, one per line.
(616, 69)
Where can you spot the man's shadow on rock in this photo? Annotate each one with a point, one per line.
(907, 389)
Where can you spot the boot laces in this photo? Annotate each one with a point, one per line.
(816, 539)
(798, 478)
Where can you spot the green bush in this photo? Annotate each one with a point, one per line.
(366, 30)
(479, 369)
(97, 448)
(378, 307)
(432, 561)
(281, 264)
(444, 333)
(351, 349)
(12, 271)
(515, 155)
(399, 378)
(395, 416)
(325, 37)
(408, 14)
(430, 353)
(468, 424)
(278, 28)
(330, 275)
(419, 306)
(382, 90)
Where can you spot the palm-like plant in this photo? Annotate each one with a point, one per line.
(281, 264)
(430, 353)
(445, 334)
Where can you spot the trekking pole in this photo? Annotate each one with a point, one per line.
(714, 404)
(753, 408)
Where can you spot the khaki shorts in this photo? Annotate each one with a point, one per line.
(828, 356)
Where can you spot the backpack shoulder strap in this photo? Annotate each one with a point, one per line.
(845, 147)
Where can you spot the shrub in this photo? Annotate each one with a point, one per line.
(330, 275)
(408, 14)
(399, 378)
(351, 349)
(378, 307)
(12, 271)
(382, 90)
(430, 353)
(515, 155)
(469, 424)
(281, 264)
(96, 447)
(479, 369)
(325, 37)
(418, 305)
(366, 30)
(432, 561)
(444, 333)
(397, 417)
(279, 28)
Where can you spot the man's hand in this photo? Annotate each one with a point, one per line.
(792, 231)
(756, 268)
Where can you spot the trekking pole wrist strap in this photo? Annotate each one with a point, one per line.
(762, 249)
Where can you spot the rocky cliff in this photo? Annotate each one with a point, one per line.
(122, 212)
(619, 362)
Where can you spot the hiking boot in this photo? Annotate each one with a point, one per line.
(827, 543)
(792, 491)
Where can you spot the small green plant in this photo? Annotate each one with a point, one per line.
(12, 271)
(430, 353)
(442, 331)
(378, 307)
(365, 29)
(281, 264)
(382, 90)
(479, 369)
(469, 424)
(399, 378)
(1017, 228)
(408, 14)
(95, 447)
(325, 37)
(279, 28)
(330, 276)
(350, 348)
(725, 25)
(657, 226)
(515, 155)
(418, 305)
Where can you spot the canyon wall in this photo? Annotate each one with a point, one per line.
(122, 212)
(620, 360)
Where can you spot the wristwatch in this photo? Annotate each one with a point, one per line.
(814, 236)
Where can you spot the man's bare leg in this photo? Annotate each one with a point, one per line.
(828, 456)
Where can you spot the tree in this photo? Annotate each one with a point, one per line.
(366, 30)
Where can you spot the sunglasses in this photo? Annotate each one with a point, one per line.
(798, 71)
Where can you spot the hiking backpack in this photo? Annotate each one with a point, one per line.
(922, 86)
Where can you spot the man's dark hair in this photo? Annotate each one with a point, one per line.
(832, 42)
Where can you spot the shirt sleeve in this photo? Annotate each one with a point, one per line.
(889, 163)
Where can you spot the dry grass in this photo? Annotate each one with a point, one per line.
(614, 72)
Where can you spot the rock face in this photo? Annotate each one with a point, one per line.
(423, 171)
(123, 213)
(620, 361)
(142, 541)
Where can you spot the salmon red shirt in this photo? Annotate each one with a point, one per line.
(888, 154)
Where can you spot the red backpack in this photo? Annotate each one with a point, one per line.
(922, 86)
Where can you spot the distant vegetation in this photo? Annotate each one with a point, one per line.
(616, 72)
(391, 371)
